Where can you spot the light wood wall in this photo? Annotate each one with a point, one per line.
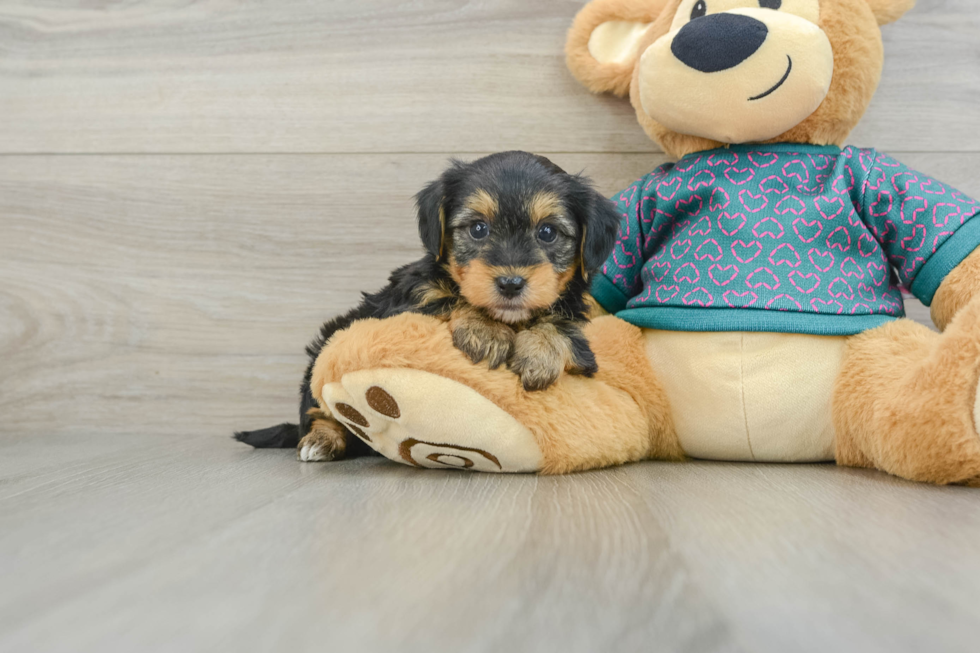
(188, 188)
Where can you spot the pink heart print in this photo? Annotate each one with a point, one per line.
(667, 293)
(737, 299)
(751, 202)
(790, 204)
(807, 231)
(785, 254)
(701, 228)
(709, 249)
(840, 289)
(805, 283)
(773, 184)
(763, 159)
(739, 176)
(691, 206)
(913, 208)
(698, 297)
(768, 227)
(788, 230)
(821, 306)
(903, 181)
(731, 224)
(850, 268)
(680, 248)
(659, 271)
(701, 179)
(823, 261)
(829, 208)
(784, 303)
(798, 170)
(746, 252)
(667, 189)
(687, 272)
(839, 238)
(723, 275)
(763, 278)
(720, 200)
(877, 272)
(726, 158)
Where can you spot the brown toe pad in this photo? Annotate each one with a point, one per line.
(383, 402)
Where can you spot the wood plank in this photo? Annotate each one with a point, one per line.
(194, 544)
(171, 290)
(386, 76)
(178, 292)
(821, 558)
(212, 547)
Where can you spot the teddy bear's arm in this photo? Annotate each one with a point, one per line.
(956, 290)
(928, 232)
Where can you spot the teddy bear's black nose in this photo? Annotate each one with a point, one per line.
(718, 42)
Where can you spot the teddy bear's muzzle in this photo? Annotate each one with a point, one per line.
(740, 76)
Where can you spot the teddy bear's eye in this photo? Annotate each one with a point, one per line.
(770, 4)
(701, 8)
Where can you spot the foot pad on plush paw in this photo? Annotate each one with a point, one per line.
(424, 420)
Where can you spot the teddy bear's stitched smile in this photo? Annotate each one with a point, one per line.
(775, 88)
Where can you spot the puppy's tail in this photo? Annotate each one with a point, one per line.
(284, 436)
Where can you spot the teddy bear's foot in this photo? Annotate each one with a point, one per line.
(907, 401)
(420, 419)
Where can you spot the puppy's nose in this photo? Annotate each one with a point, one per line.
(719, 42)
(511, 286)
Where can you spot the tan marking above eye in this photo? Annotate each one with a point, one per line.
(483, 203)
(544, 205)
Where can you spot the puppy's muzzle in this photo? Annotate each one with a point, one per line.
(510, 287)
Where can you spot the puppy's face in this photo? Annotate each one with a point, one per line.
(513, 247)
(517, 230)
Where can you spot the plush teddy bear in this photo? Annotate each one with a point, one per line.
(755, 286)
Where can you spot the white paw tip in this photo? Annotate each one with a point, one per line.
(312, 453)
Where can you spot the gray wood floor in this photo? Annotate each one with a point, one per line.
(187, 189)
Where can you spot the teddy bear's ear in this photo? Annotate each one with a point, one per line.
(888, 11)
(602, 46)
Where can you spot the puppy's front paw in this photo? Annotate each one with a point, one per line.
(326, 441)
(481, 338)
(540, 355)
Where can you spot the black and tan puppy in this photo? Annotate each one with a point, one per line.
(511, 240)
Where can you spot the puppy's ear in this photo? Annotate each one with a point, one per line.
(599, 220)
(430, 203)
(435, 203)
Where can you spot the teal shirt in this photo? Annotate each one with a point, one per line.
(782, 238)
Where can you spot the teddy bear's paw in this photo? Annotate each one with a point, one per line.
(424, 420)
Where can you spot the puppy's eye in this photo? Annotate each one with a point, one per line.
(547, 233)
(770, 4)
(479, 230)
(701, 8)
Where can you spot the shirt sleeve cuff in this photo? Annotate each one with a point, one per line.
(608, 295)
(953, 251)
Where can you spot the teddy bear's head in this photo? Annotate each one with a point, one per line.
(704, 73)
